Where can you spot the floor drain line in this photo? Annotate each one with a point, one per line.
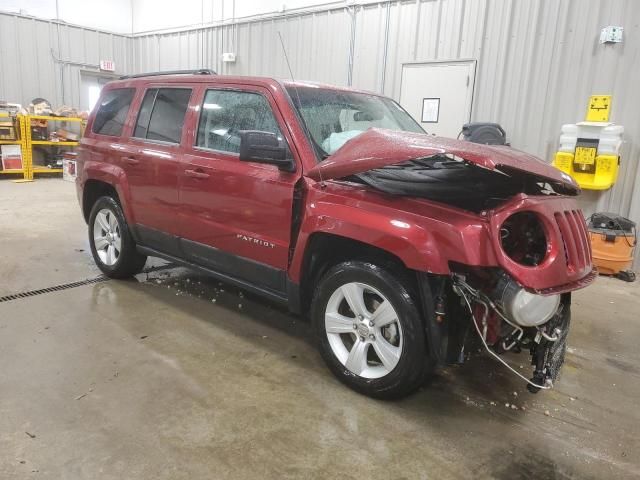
(67, 286)
(57, 288)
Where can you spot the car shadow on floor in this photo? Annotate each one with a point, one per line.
(481, 376)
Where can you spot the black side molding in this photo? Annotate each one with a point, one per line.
(277, 297)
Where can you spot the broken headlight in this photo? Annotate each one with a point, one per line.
(522, 307)
(523, 239)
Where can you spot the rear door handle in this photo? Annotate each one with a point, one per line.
(196, 174)
(131, 160)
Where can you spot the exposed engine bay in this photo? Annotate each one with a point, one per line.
(487, 308)
(512, 319)
(491, 307)
(449, 180)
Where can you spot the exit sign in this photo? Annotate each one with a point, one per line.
(107, 65)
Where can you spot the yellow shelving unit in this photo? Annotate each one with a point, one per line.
(29, 143)
(23, 148)
(46, 142)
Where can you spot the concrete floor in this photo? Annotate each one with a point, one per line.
(176, 376)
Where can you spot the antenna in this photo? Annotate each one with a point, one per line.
(295, 87)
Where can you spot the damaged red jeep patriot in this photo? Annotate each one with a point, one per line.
(400, 246)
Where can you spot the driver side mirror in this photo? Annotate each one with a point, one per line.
(264, 147)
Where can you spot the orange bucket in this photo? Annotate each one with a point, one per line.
(612, 250)
(613, 239)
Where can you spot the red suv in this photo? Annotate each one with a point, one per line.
(402, 247)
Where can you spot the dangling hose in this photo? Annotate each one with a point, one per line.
(460, 290)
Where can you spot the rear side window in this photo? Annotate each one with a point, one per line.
(145, 113)
(161, 115)
(112, 112)
(226, 112)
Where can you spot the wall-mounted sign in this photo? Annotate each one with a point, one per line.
(430, 110)
(598, 109)
(229, 57)
(611, 34)
(107, 65)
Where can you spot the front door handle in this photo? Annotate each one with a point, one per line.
(196, 174)
(131, 160)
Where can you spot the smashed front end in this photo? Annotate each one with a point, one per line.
(543, 253)
(523, 301)
(516, 295)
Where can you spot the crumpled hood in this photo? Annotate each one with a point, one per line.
(378, 147)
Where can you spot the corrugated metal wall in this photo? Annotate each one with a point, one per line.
(28, 67)
(538, 61)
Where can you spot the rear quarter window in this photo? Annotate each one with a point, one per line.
(112, 112)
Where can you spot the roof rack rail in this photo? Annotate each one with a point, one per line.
(200, 71)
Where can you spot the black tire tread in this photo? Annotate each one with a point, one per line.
(130, 262)
(414, 366)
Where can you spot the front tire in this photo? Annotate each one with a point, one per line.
(369, 330)
(112, 245)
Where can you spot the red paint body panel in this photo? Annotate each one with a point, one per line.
(257, 200)
(559, 267)
(425, 235)
(377, 148)
(92, 165)
(234, 197)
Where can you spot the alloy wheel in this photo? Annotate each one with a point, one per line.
(106, 237)
(363, 330)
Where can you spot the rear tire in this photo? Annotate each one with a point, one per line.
(112, 245)
(370, 331)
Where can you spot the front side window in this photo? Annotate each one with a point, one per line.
(161, 115)
(226, 112)
(333, 117)
(112, 112)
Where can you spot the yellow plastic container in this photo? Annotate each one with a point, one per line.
(590, 153)
(604, 176)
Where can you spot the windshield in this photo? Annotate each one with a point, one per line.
(334, 117)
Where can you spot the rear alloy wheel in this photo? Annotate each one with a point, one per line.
(112, 245)
(106, 237)
(370, 330)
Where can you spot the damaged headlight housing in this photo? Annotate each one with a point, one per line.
(522, 307)
(523, 238)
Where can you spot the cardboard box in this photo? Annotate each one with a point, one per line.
(7, 129)
(69, 172)
(67, 136)
(11, 157)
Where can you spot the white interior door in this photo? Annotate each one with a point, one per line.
(91, 85)
(439, 95)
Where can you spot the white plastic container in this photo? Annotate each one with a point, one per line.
(608, 134)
